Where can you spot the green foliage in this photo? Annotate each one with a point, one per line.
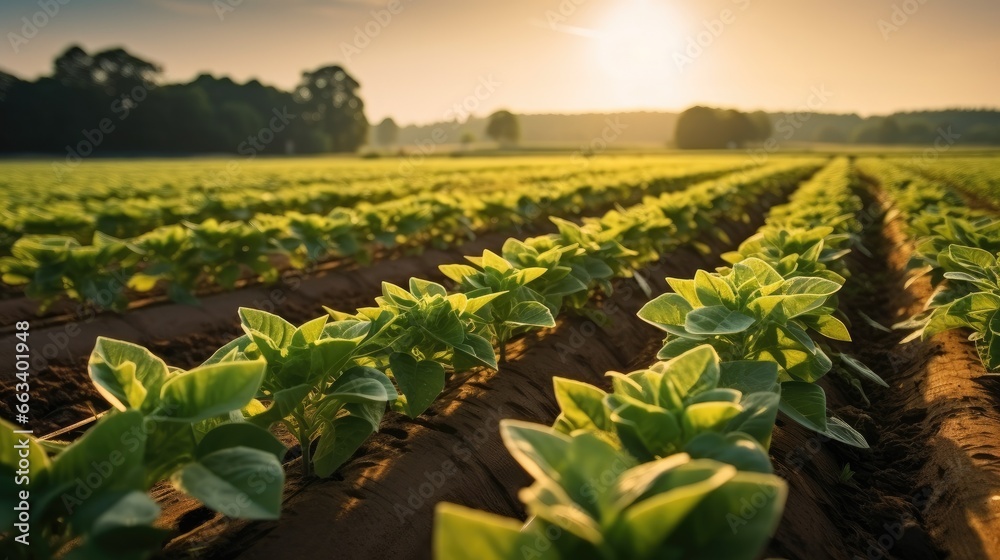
(781, 287)
(956, 246)
(971, 301)
(330, 380)
(676, 507)
(683, 405)
(314, 383)
(49, 267)
(192, 235)
(753, 313)
(185, 426)
(514, 306)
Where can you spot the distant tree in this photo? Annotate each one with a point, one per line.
(466, 139)
(983, 134)
(73, 68)
(387, 132)
(763, 127)
(699, 128)
(705, 128)
(889, 131)
(867, 133)
(7, 82)
(739, 128)
(114, 71)
(831, 134)
(328, 99)
(917, 133)
(504, 128)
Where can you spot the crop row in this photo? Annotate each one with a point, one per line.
(977, 176)
(330, 380)
(957, 248)
(673, 462)
(187, 257)
(79, 209)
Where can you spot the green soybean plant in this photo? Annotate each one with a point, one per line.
(591, 500)
(53, 266)
(690, 404)
(566, 277)
(426, 331)
(89, 497)
(516, 308)
(969, 298)
(166, 258)
(932, 253)
(602, 249)
(313, 384)
(813, 251)
(751, 312)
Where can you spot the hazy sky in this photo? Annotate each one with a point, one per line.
(869, 56)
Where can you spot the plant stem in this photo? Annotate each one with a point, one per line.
(306, 446)
(304, 443)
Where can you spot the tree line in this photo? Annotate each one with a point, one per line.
(713, 128)
(113, 101)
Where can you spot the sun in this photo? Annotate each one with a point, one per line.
(633, 47)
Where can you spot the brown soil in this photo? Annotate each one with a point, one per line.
(957, 478)
(381, 503)
(925, 488)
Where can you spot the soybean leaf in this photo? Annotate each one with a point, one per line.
(461, 532)
(283, 402)
(582, 405)
(667, 310)
(124, 373)
(530, 314)
(276, 329)
(715, 320)
(209, 391)
(749, 376)
(863, 370)
(240, 434)
(337, 445)
(479, 350)
(240, 482)
(361, 384)
(420, 382)
(736, 449)
(804, 403)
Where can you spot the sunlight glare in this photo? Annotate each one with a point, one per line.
(634, 47)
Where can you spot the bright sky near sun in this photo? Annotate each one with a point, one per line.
(872, 56)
